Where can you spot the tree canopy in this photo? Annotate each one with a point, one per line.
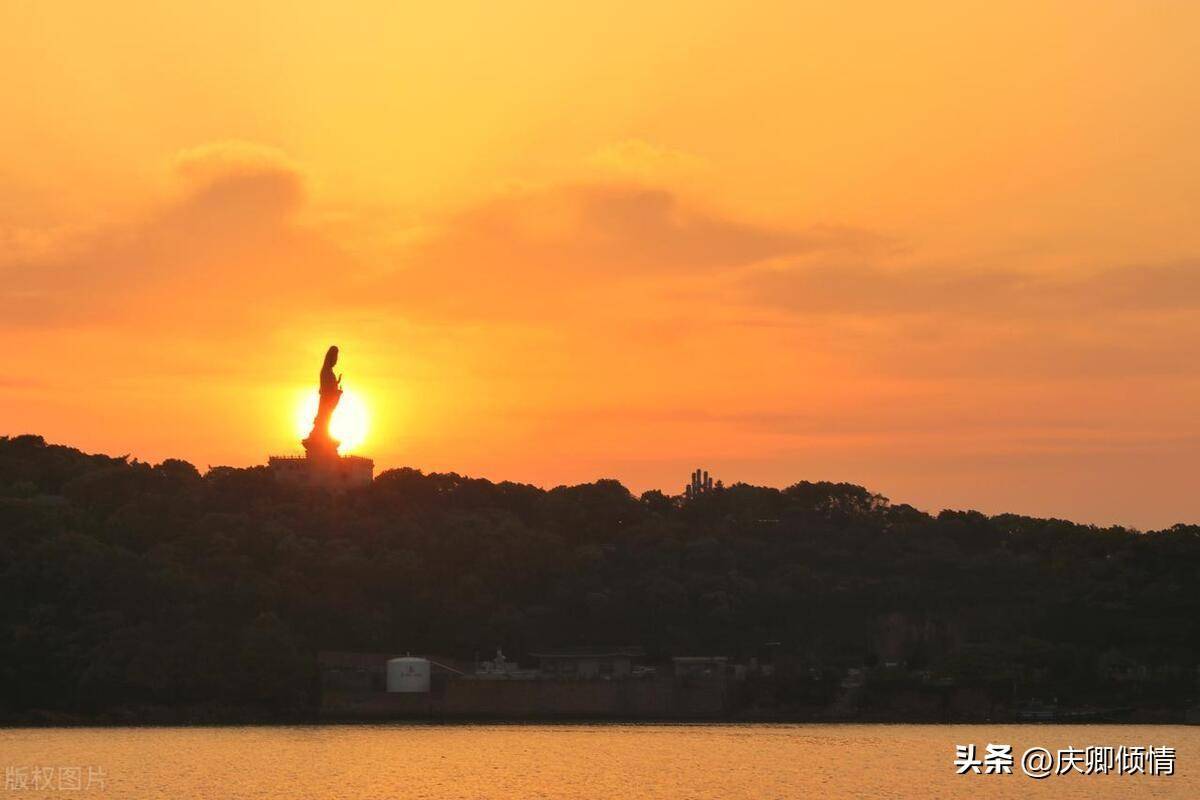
(125, 583)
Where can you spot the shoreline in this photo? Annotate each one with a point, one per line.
(236, 721)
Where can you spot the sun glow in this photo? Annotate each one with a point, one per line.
(350, 422)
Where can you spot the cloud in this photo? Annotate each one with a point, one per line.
(857, 289)
(549, 244)
(642, 161)
(231, 238)
(228, 244)
(237, 186)
(1104, 324)
(217, 162)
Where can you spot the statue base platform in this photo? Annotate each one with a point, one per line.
(327, 470)
(321, 446)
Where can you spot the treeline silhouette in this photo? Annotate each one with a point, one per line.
(126, 585)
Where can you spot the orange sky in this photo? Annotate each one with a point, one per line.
(948, 250)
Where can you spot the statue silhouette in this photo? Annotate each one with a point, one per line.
(319, 443)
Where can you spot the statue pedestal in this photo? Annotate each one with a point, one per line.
(321, 448)
(322, 466)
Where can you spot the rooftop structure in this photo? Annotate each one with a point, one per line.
(700, 483)
(500, 668)
(588, 662)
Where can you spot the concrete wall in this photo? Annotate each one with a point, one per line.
(648, 698)
(620, 667)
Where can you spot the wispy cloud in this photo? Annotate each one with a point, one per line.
(816, 288)
(227, 245)
(550, 245)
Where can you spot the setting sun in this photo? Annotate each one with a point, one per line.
(349, 424)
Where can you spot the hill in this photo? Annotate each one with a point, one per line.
(129, 585)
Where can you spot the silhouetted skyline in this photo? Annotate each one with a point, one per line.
(950, 253)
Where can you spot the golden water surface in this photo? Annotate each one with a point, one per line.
(571, 761)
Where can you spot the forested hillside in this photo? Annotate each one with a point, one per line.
(125, 584)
